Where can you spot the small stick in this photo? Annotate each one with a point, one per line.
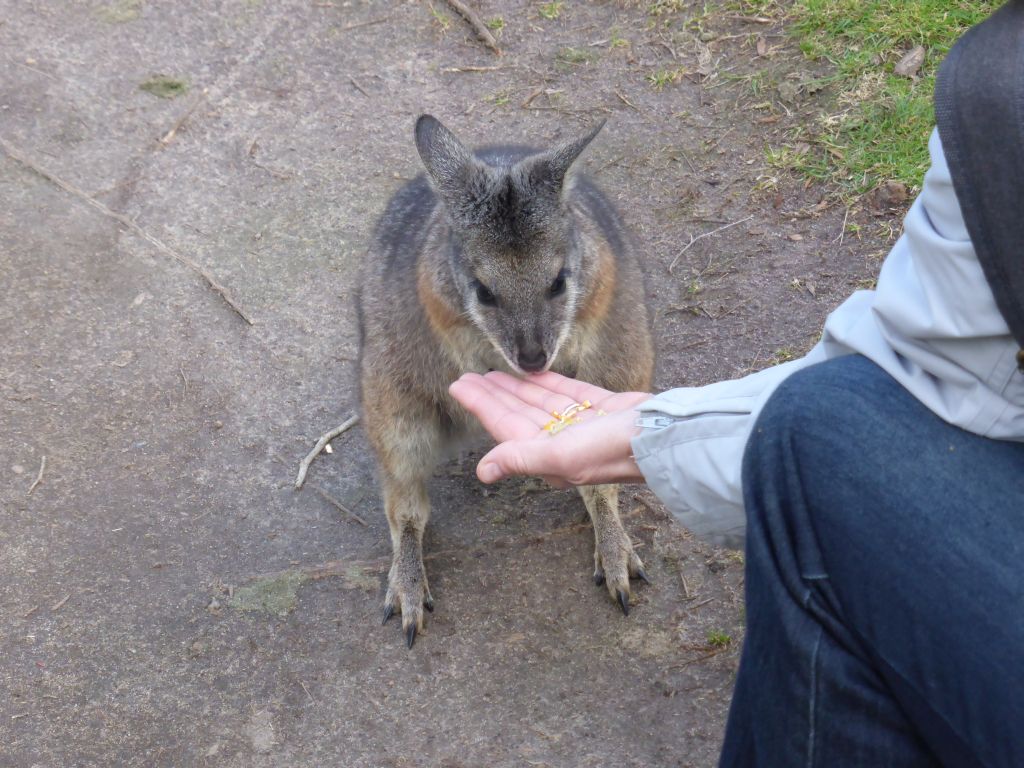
(358, 24)
(702, 236)
(324, 440)
(169, 136)
(127, 222)
(358, 87)
(39, 477)
(327, 497)
(626, 101)
(312, 700)
(473, 69)
(842, 230)
(60, 603)
(29, 612)
(35, 69)
(751, 19)
(533, 95)
(478, 26)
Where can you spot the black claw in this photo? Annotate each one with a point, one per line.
(599, 579)
(429, 604)
(642, 575)
(388, 613)
(410, 635)
(624, 601)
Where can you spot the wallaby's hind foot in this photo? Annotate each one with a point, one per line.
(408, 592)
(615, 562)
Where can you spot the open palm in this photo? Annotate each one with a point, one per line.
(514, 411)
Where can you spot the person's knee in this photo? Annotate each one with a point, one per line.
(826, 404)
(818, 424)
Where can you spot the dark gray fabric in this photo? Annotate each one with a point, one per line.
(979, 108)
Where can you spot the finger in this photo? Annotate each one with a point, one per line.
(497, 417)
(574, 388)
(485, 394)
(520, 406)
(529, 392)
(519, 457)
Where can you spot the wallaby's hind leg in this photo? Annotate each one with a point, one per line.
(615, 562)
(408, 509)
(406, 435)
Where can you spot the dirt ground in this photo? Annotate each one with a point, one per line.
(160, 598)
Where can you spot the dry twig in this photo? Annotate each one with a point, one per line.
(626, 101)
(331, 500)
(312, 700)
(169, 136)
(71, 189)
(473, 69)
(39, 477)
(369, 23)
(60, 603)
(533, 95)
(324, 440)
(478, 26)
(358, 87)
(702, 236)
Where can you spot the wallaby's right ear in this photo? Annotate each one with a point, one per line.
(448, 163)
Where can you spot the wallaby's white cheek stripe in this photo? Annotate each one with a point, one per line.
(567, 324)
(478, 322)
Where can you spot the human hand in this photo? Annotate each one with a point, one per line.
(595, 450)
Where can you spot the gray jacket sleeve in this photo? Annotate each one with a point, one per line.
(932, 324)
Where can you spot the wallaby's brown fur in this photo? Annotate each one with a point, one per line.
(498, 260)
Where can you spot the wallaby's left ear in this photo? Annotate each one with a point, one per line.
(550, 168)
(446, 160)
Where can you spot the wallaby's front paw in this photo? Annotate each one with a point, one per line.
(408, 594)
(615, 563)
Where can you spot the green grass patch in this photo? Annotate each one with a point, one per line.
(878, 127)
(120, 12)
(550, 11)
(275, 595)
(575, 56)
(165, 87)
(718, 639)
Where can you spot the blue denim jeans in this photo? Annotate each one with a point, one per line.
(884, 583)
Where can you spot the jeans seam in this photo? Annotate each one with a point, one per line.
(813, 700)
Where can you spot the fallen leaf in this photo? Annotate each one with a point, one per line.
(889, 195)
(705, 61)
(789, 90)
(910, 63)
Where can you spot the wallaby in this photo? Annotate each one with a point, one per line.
(495, 260)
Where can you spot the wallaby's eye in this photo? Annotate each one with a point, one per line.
(484, 295)
(558, 287)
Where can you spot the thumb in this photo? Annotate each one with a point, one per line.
(514, 457)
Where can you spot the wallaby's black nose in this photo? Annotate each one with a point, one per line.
(531, 360)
